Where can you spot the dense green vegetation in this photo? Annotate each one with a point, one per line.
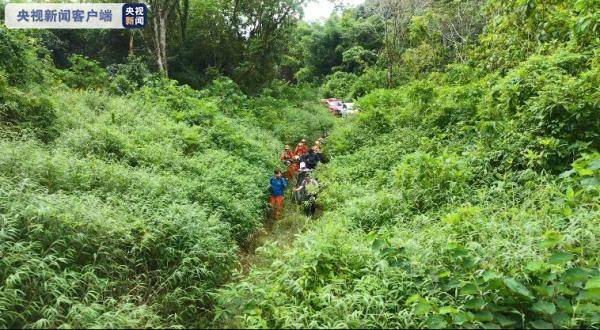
(464, 194)
(126, 211)
(468, 196)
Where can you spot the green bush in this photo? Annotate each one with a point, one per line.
(427, 182)
(84, 73)
(26, 110)
(498, 255)
(370, 80)
(18, 58)
(449, 202)
(72, 253)
(553, 99)
(127, 77)
(132, 215)
(338, 85)
(290, 113)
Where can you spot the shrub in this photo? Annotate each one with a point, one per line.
(132, 216)
(27, 110)
(18, 59)
(84, 73)
(553, 103)
(76, 258)
(356, 59)
(475, 256)
(127, 77)
(338, 85)
(370, 80)
(427, 181)
(446, 191)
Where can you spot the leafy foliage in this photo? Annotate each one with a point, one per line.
(127, 211)
(84, 72)
(467, 197)
(31, 110)
(464, 194)
(18, 58)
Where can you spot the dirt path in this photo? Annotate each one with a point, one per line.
(282, 233)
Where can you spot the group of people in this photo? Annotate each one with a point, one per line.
(301, 156)
(299, 162)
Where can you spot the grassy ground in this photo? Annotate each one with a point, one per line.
(263, 247)
(280, 233)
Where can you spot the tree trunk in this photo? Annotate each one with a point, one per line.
(160, 18)
(163, 43)
(184, 12)
(156, 41)
(159, 37)
(131, 44)
(390, 67)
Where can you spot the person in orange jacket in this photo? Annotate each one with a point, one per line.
(301, 148)
(294, 167)
(287, 157)
(287, 153)
(316, 147)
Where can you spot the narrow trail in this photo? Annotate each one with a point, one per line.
(281, 232)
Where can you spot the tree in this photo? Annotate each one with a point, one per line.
(183, 11)
(160, 11)
(460, 24)
(397, 15)
(268, 25)
(356, 59)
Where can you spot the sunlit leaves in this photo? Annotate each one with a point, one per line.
(517, 287)
(593, 283)
(551, 239)
(544, 307)
(560, 258)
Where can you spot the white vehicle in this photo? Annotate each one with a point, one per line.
(348, 109)
(335, 103)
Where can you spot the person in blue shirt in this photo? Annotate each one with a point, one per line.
(277, 186)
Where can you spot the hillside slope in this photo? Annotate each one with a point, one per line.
(465, 197)
(127, 211)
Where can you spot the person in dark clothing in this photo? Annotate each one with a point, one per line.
(312, 159)
(277, 186)
(319, 153)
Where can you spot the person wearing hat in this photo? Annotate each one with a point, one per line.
(287, 157)
(319, 153)
(277, 186)
(301, 148)
(302, 173)
(307, 191)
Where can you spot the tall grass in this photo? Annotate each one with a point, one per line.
(449, 203)
(132, 213)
